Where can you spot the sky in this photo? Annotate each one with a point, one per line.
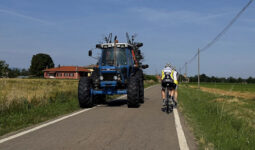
(171, 31)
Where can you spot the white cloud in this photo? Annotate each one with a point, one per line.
(25, 16)
(179, 16)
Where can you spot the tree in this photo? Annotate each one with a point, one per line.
(239, 80)
(3, 69)
(24, 72)
(13, 73)
(204, 78)
(250, 80)
(231, 80)
(40, 62)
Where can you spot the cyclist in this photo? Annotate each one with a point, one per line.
(174, 92)
(164, 72)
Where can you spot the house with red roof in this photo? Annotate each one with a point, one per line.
(66, 72)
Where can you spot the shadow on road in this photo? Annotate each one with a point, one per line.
(118, 102)
(163, 109)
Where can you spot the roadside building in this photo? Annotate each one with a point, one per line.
(66, 72)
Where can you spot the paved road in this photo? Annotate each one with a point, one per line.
(113, 127)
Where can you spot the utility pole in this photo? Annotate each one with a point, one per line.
(198, 70)
(180, 72)
(186, 69)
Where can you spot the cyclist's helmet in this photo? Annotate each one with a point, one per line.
(168, 65)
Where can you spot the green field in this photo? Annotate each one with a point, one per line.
(219, 121)
(229, 86)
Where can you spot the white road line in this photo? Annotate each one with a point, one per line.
(42, 126)
(49, 123)
(181, 137)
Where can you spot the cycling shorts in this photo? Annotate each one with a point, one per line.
(172, 86)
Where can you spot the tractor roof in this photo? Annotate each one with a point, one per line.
(107, 45)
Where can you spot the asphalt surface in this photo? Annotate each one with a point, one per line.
(109, 127)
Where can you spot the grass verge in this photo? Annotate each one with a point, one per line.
(215, 123)
(25, 114)
(148, 83)
(240, 87)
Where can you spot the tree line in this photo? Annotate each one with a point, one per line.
(39, 62)
(205, 78)
(5, 71)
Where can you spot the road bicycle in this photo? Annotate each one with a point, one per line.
(169, 103)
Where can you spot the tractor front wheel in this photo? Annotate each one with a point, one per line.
(84, 95)
(133, 92)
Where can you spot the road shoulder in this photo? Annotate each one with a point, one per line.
(190, 138)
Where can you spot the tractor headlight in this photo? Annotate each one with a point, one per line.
(115, 77)
(101, 78)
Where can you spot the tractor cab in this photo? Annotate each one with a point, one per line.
(114, 65)
(115, 54)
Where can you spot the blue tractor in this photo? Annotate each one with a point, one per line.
(118, 71)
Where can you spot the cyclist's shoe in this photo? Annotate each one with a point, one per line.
(175, 103)
(164, 102)
(171, 102)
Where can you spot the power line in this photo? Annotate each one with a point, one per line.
(227, 27)
(220, 34)
(193, 58)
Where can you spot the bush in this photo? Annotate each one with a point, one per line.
(150, 77)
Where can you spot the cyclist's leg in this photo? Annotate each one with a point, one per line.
(163, 94)
(171, 93)
(176, 93)
(163, 91)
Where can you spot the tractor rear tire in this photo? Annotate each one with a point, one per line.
(139, 75)
(141, 96)
(133, 92)
(84, 95)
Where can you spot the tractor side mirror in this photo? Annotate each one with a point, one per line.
(139, 44)
(98, 46)
(145, 66)
(139, 52)
(90, 53)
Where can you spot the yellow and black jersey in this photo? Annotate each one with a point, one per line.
(172, 72)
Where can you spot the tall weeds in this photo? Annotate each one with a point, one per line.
(17, 92)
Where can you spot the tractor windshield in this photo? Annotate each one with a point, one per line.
(111, 58)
